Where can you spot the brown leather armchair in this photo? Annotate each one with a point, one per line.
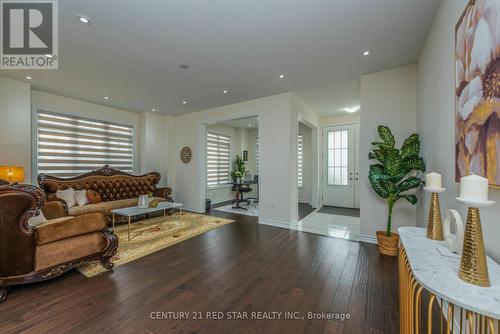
(30, 254)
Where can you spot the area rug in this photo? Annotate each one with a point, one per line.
(151, 235)
(252, 210)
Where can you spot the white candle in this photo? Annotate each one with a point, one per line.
(433, 180)
(474, 187)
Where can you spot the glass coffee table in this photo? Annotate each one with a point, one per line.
(136, 211)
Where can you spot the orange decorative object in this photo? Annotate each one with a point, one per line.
(12, 174)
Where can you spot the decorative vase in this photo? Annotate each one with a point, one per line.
(434, 222)
(143, 202)
(473, 265)
(388, 245)
(454, 241)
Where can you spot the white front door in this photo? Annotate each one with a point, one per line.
(339, 166)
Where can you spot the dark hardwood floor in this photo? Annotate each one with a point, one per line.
(304, 210)
(240, 267)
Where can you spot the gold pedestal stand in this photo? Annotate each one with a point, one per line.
(434, 225)
(473, 265)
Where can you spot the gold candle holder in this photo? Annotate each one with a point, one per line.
(434, 224)
(473, 265)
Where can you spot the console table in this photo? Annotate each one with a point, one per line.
(432, 299)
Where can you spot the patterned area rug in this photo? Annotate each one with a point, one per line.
(252, 210)
(151, 235)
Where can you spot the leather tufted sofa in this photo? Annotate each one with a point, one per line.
(116, 188)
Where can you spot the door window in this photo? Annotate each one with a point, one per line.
(338, 163)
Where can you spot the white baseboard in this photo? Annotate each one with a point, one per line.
(188, 208)
(368, 238)
(222, 200)
(305, 200)
(276, 223)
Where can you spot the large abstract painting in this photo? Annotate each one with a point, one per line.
(477, 90)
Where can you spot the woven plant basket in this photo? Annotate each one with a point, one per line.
(388, 245)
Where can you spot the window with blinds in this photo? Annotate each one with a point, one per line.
(257, 155)
(218, 159)
(300, 172)
(69, 145)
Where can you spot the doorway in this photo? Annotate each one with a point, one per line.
(341, 166)
(232, 167)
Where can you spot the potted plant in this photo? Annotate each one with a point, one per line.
(239, 169)
(396, 172)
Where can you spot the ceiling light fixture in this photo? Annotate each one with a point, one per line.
(224, 91)
(106, 97)
(249, 125)
(84, 20)
(282, 76)
(153, 109)
(351, 109)
(29, 78)
(366, 53)
(184, 102)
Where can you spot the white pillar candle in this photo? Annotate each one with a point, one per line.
(433, 180)
(474, 187)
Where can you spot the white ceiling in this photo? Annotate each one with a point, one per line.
(133, 50)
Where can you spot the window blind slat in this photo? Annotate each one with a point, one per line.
(299, 161)
(70, 145)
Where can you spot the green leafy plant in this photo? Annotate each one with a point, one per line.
(239, 168)
(397, 171)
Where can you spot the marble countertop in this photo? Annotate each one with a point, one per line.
(439, 274)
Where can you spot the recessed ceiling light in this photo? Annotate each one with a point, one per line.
(351, 109)
(106, 97)
(250, 125)
(29, 78)
(366, 53)
(153, 109)
(224, 91)
(282, 76)
(184, 102)
(184, 66)
(84, 20)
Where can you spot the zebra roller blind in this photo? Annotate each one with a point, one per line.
(300, 172)
(69, 145)
(218, 159)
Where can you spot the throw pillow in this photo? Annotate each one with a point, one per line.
(81, 197)
(93, 197)
(68, 196)
(37, 220)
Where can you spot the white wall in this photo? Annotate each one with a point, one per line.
(277, 150)
(152, 141)
(436, 119)
(387, 98)
(15, 125)
(253, 134)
